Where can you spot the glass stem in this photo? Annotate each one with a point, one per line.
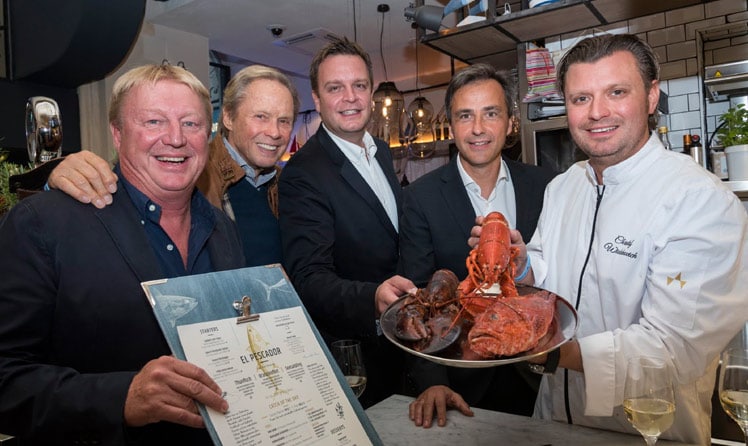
(652, 439)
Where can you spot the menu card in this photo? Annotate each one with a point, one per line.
(281, 383)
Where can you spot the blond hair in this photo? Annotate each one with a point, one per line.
(151, 74)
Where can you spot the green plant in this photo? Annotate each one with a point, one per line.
(733, 130)
(7, 198)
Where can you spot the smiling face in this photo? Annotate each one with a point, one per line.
(262, 123)
(607, 105)
(162, 139)
(344, 98)
(481, 123)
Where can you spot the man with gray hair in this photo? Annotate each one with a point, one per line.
(440, 208)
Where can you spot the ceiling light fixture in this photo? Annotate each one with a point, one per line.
(388, 101)
(427, 16)
(421, 112)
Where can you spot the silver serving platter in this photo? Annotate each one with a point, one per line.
(563, 328)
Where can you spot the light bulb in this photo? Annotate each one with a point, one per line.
(387, 101)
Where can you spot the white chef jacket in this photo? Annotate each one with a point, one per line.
(666, 277)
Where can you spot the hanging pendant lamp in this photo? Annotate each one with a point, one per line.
(388, 103)
(421, 112)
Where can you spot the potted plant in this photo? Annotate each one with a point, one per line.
(733, 134)
(8, 169)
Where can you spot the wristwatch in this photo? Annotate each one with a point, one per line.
(551, 363)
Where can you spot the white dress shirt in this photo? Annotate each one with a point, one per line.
(501, 198)
(368, 167)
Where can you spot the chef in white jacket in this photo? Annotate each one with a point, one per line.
(647, 245)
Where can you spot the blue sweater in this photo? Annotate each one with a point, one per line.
(258, 226)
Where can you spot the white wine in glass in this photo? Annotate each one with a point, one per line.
(347, 354)
(733, 386)
(648, 397)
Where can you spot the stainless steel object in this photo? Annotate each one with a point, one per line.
(43, 129)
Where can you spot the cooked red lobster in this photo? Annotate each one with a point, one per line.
(490, 266)
(429, 313)
(512, 325)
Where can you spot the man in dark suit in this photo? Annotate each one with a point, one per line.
(339, 202)
(82, 358)
(439, 211)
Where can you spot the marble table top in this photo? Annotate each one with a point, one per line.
(391, 421)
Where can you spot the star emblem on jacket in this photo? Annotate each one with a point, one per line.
(678, 279)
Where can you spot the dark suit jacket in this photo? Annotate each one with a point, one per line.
(434, 228)
(338, 242)
(75, 325)
(437, 218)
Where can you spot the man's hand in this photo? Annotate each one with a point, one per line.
(166, 390)
(475, 232)
(86, 177)
(520, 261)
(390, 290)
(441, 398)
(516, 240)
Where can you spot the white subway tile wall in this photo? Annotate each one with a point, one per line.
(672, 35)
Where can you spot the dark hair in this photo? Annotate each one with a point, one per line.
(482, 72)
(338, 46)
(595, 48)
(236, 90)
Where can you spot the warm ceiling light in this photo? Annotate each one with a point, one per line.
(388, 105)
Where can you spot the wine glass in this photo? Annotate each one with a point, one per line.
(733, 386)
(648, 397)
(347, 354)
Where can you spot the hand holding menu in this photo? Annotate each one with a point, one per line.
(280, 381)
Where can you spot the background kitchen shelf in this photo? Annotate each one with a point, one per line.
(495, 40)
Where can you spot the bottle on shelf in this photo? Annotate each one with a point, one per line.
(687, 144)
(436, 129)
(445, 129)
(698, 153)
(664, 137)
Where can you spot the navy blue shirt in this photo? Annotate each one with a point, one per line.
(201, 226)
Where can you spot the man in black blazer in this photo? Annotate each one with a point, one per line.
(339, 202)
(439, 210)
(82, 357)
